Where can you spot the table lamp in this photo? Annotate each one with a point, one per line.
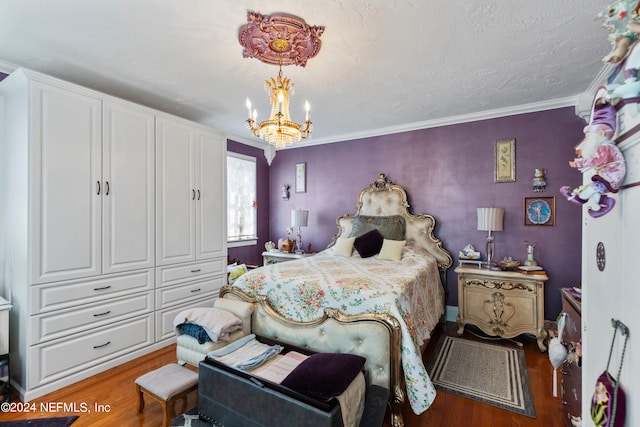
(490, 219)
(299, 218)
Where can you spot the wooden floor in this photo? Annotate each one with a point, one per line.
(114, 390)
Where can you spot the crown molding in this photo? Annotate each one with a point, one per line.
(7, 67)
(446, 121)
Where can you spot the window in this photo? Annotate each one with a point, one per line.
(241, 200)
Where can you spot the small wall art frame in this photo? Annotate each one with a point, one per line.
(505, 160)
(540, 211)
(301, 177)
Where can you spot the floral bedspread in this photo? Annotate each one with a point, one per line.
(409, 289)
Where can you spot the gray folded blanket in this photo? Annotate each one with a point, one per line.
(247, 353)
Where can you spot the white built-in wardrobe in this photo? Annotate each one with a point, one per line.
(611, 288)
(113, 220)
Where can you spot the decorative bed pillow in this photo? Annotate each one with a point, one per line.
(392, 249)
(324, 375)
(235, 271)
(391, 227)
(344, 246)
(369, 243)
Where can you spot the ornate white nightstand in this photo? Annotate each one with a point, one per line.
(274, 257)
(502, 303)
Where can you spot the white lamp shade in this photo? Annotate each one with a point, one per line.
(490, 219)
(299, 218)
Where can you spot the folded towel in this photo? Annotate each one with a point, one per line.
(218, 323)
(246, 353)
(281, 366)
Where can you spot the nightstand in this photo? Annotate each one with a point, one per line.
(274, 257)
(502, 303)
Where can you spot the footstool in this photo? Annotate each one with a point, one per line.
(166, 385)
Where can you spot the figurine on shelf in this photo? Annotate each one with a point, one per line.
(617, 18)
(623, 21)
(469, 252)
(598, 155)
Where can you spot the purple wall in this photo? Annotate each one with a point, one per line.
(448, 172)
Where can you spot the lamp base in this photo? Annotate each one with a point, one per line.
(490, 251)
(298, 250)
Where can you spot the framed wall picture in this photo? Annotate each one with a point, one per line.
(540, 211)
(505, 160)
(301, 177)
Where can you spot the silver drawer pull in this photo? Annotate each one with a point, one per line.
(102, 288)
(102, 314)
(196, 290)
(102, 345)
(196, 271)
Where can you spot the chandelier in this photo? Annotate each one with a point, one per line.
(279, 130)
(282, 39)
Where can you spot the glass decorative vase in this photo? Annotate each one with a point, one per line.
(530, 260)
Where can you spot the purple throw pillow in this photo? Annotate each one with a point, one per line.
(369, 244)
(324, 375)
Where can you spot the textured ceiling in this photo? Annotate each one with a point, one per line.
(384, 65)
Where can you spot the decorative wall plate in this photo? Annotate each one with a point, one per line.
(279, 37)
(601, 257)
(539, 211)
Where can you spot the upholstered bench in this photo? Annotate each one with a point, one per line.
(166, 385)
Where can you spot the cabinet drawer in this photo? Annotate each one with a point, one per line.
(571, 329)
(571, 391)
(68, 294)
(171, 275)
(50, 326)
(58, 359)
(164, 318)
(572, 332)
(172, 295)
(515, 311)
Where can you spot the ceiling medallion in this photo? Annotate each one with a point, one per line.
(279, 39)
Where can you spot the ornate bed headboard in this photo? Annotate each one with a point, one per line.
(384, 198)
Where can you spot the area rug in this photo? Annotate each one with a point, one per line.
(41, 422)
(491, 374)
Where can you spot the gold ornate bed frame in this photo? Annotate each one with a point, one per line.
(377, 337)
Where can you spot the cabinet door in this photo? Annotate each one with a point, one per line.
(129, 187)
(176, 191)
(66, 171)
(211, 230)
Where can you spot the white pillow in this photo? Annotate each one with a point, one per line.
(392, 249)
(344, 246)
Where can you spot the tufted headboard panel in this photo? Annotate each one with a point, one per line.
(383, 198)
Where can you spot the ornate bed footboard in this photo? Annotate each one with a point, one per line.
(377, 337)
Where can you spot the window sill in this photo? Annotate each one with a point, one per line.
(240, 243)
